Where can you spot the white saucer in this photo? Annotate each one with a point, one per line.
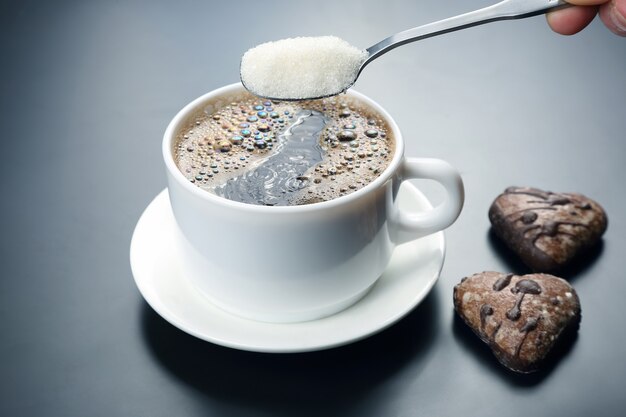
(414, 269)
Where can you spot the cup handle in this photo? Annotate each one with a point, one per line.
(410, 226)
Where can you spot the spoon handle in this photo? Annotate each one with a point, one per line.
(507, 9)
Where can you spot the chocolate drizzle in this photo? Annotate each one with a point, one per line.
(522, 287)
(558, 200)
(530, 325)
(502, 282)
(495, 331)
(540, 338)
(534, 192)
(485, 311)
(516, 312)
(553, 199)
(526, 286)
(550, 228)
(529, 217)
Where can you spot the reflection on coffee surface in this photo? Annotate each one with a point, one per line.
(274, 153)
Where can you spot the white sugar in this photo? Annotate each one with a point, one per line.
(300, 68)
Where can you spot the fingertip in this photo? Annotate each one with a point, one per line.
(571, 20)
(613, 15)
(553, 20)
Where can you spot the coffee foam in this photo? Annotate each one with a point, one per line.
(236, 133)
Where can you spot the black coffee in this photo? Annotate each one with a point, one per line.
(283, 153)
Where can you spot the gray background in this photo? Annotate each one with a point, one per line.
(87, 89)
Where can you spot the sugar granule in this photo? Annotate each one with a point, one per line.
(301, 68)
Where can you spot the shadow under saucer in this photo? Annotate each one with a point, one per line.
(311, 383)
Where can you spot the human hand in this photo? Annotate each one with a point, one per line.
(571, 20)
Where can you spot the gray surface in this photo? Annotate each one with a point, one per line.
(87, 89)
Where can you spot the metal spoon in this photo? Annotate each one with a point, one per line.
(504, 10)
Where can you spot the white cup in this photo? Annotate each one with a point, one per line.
(299, 263)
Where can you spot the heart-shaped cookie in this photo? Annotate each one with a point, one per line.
(519, 317)
(547, 230)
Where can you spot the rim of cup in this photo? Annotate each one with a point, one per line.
(176, 123)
